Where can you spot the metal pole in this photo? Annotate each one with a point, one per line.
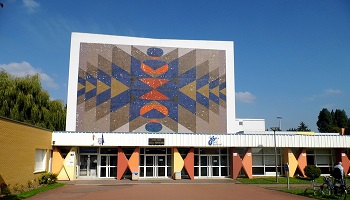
(288, 179)
(274, 137)
(279, 123)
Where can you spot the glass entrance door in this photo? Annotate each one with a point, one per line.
(210, 165)
(88, 166)
(155, 166)
(108, 166)
(215, 163)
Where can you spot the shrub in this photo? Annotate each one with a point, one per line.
(48, 178)
(312, 171)
(31, 184)
(4, 189)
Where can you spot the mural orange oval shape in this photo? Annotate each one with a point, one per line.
(160, 108)
(149, 70)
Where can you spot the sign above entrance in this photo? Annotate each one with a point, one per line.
(155, 141)
(214, 141)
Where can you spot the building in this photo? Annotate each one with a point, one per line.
(154, 108)
(25, 153)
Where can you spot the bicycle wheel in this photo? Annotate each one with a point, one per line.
(342, 193)
(325, 190)
(342, 196)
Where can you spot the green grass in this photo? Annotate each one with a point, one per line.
(301, 192)
(32, 192)
(281, 180)
(298, 191)
(310, 193)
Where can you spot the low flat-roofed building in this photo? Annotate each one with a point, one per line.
(25, 153)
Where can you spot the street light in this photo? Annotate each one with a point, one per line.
(274, 138)
(279, 122)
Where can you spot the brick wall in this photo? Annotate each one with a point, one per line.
(18, 142)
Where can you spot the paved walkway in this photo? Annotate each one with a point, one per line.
(204, 189)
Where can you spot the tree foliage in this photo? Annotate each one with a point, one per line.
(332, 122)
(23, 99)
(302, 127)
(324, 122)
(340, 119)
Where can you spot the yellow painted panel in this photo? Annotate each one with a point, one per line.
(178, 162)
(57, 161)
(291, 160)
(69, 172)
(306, 133)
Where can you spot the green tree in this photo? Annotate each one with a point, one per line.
(23, 99)
(332, 122)
(325, 122)
(302, 127)
(340, 119)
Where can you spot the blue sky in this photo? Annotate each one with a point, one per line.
(292, 57)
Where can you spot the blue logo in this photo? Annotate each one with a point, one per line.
(212, 140)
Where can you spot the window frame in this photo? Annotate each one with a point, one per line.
(40, 160)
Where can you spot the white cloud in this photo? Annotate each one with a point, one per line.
(31, 5)
(326, 93)
(329, 92)
(328, 106)
(24, 68)
(245, 97)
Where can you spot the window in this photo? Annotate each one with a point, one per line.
(211, 162)
(264, 162)
(40, 160)
(323, 158)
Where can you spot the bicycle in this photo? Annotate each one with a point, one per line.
(337, 188)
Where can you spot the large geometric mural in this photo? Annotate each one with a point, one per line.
(125, 88)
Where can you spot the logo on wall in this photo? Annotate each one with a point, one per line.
(213, 141)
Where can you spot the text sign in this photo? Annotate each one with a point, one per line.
(155, 141)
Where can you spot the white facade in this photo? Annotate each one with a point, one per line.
(250, 125)
(202, 140)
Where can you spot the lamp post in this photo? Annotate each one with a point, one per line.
(279, 123)
(274, 138)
